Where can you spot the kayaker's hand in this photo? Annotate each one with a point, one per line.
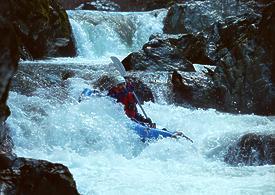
(153, 125)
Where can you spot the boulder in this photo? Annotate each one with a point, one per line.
(169, 52)
(101, 5)
(29, 176)
(118, 5)
(199, 16)
(252, 149)
(194, 89)
(42, 29)
(245, 66)
(9, 56)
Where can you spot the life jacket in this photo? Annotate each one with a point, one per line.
(127, 98)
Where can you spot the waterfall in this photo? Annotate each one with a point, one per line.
(103, 34)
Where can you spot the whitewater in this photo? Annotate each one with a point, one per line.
(93, 138)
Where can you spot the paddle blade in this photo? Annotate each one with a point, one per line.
(119, 66)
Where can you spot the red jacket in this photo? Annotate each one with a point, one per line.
(127, 98)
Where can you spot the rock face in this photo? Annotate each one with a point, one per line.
(245, 73)
(242, 49)
(118, 5)
(169, 52)
(28, 176)
(42, 29)
(194, 89)
(199, 16)
(72, 4)
(9, 57)
(19, 175)
(252, 149)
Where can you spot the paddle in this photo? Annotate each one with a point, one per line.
(119, 66)
(182, 135)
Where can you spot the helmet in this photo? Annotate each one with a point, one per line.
(119, 80)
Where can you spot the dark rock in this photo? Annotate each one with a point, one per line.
(169, 52)
(9, 61)
(195, 89)
(72, 4)
(252, 149)
(101, 5)
(118, 5)
(199, 16)
(174, 21)
(245, 70)
(6, 160)
(181, 90)
(143, 92)
(42, 29)
(27, 176)
(67, 74)
(141, 5)
(9, 56)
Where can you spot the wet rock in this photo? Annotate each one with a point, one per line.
(143, 92)
(28, 176)
(194, 89)
(169, 52)
(9, 61)
(118, 5)
(199, 16)
(72, 4)
(252, 149)
(245, 71)
(6, 160)
(9, 56)
(42, 29)
(101, 5)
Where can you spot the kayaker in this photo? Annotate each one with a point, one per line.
(122, 91)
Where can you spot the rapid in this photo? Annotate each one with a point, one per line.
(93, 138)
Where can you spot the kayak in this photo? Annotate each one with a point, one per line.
(146, 133)
(143, 131)
(87, 93)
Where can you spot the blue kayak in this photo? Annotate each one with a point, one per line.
(144, 132)
(151, 133)
(87, 93)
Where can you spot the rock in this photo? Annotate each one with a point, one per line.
(42, 29)
(9, 56)
(245, 71)
(195, 89)
(118, 5)
(6, 160)
(72, 4)
(199, 16)
(168, 53)
(101, 5)
(28, 176)
(252, 149)
(174, 21)
(9, 61)
(143, 92)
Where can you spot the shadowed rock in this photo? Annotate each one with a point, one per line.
(169, 52)
(252, 149)
(42, 29)
(28, 176)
